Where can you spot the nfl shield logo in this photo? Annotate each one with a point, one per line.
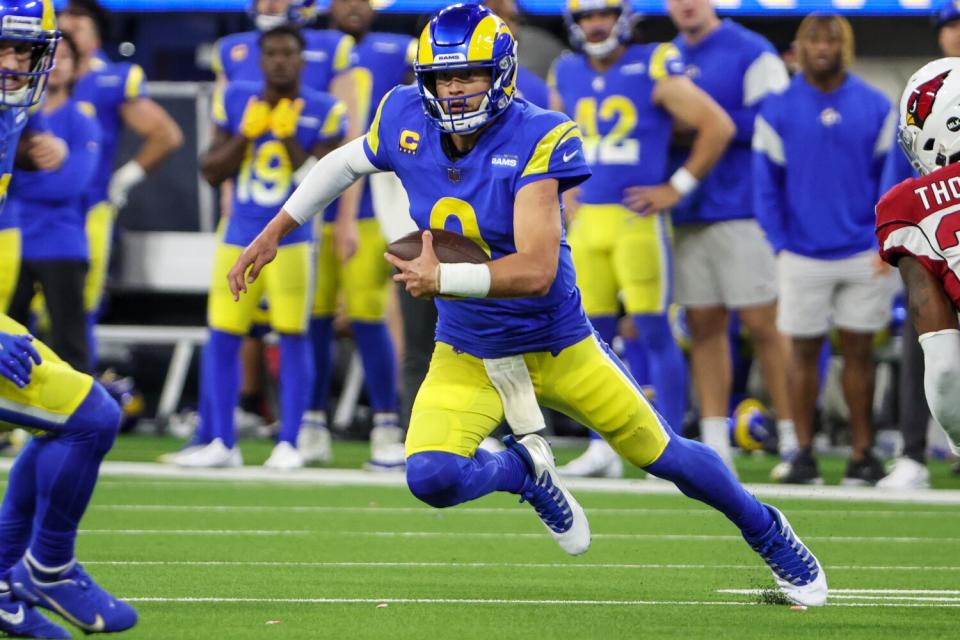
(454, 174)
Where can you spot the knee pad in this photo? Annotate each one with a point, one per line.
(97, 418)
(434, 477)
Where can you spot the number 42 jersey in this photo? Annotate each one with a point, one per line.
(474, 195)
(920, 217)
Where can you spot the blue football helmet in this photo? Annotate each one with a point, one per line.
(299, 13)
(30, 24)
(622, 31)
(466, 36)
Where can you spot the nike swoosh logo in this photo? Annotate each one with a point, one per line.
(97, 626)
(12, 618)
(567, 156)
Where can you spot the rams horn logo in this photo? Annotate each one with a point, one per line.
(920, 104)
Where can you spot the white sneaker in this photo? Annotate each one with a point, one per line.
(215, 454)
(174, 457)
(284, 457)
(492, 445)
(906, 474)
(250, 425)
(313, 440)
(387, 452)
(544, 490)
(598, 461)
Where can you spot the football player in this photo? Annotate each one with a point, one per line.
(73, 416)
(117, 93)
(512, 332)
(627, 98)
(268, 137)
(918, 225)
(350, 262)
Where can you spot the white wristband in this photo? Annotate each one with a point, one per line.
(465, 280)
(683, 182)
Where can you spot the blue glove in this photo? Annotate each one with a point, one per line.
(16, 353)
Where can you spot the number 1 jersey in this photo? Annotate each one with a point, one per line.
(920, 217)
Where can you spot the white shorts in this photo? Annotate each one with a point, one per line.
(816, 295)
(728, 264)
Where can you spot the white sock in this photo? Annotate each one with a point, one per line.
(786, 438)
(317, 419)
(715, 433)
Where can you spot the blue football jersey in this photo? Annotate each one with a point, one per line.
(237, 57)
(626, 137)
(379, 62)
(50, 204)
(532, 87)
(265, 180)
(12, 124)
(474, 195)
(106, 88)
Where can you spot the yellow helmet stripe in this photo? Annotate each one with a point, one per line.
(481, 43)
(425, 50)
(49, 21)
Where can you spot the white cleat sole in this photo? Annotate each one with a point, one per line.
(809, 595)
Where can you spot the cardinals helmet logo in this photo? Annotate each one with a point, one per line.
(921, 100)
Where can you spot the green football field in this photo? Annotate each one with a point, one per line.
(252, 558)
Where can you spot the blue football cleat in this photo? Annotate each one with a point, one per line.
(796, 570)
(20, 620)
(76, 597)
(544, 490)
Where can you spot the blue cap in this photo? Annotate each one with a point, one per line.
(949, 12)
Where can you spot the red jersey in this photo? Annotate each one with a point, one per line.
(920, 217)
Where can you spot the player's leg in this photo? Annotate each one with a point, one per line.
(587, 382)
(57, 472)
(99, 228)
(642, 257)
(806, 300)
(9, 265)
(62, 282)
(456, 408)
(591, 238)
(289, 284)
(366, 281)
(314, 439)
(699, 291)
(228, 321)
(863, 308)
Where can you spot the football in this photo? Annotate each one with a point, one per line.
(449, 247)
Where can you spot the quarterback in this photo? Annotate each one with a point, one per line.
(475, 160)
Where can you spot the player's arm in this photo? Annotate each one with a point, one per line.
(328, 178)
(935, 319)
(223, 159)
(75, 174)
(345, 88)
(769, 181)
(691, 108)
(161, 136)
(527, 273)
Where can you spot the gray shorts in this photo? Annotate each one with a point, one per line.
(728, 264)
(816, 295)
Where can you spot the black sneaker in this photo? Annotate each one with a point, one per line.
(867, 472)
(802, 470)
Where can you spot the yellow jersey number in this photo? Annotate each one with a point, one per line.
(616, 147)
(447, 208)
(265, 175)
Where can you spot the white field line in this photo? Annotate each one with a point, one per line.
(351, 477)
(941, 597)
(491, 565)
(511, 603)
(519, 510)
(486, 535)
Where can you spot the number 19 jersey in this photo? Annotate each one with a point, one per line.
(920, 217)
(626, 137)
(265, 180)
(474, 195)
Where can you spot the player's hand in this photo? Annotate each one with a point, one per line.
(421, 276)
(284, 117)
(17, 357)
(255, 257)
(346, 239)
(650, 200)
(47, 151)
(256, 119)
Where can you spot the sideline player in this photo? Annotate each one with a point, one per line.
(268, 136)
(74, 418)
(474, 159)
(627, 98)
(118, 94)
(918, 222)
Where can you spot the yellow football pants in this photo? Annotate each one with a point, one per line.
(364, 280)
